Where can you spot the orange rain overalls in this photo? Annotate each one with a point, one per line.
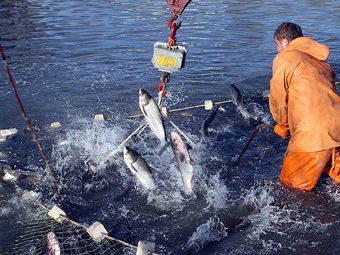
(303, 100)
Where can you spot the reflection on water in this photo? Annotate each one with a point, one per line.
(71, 44)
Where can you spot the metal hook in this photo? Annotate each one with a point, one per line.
(173, 29)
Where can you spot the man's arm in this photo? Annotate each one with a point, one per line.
(278, 99)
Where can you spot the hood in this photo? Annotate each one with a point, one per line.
(309, 46)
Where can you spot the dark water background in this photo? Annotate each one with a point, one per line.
(74, 59)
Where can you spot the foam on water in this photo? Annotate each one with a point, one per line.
(212, 230)
(268, 213)
(336, 195)
(273, 224)
(333, 191)
(175, 95)
(19, 208)
(88, 141)
(216, 193)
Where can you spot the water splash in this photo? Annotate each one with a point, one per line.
(333, 191)
(87, 143)
(216, 193)
(212, 230)
(273, 223)
(175, 96)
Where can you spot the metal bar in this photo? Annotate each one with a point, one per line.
(251, 138)
(183, 108)
(140, 128)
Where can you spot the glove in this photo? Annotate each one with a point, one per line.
(281, 130)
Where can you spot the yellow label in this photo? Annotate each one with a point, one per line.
(166, 61)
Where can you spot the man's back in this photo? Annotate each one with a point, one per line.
(313, 107)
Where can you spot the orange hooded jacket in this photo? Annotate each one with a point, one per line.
(303, 96)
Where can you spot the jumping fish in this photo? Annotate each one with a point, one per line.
(52, 244)
(239, 102)
(152, 115)
(139, 167)
(181, 152)
(207, 120)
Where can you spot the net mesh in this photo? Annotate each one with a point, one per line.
(46, 236)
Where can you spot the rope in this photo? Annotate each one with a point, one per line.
(184, 108)
(30, 127)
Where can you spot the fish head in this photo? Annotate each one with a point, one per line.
(177, 141)
(144, 97)
(50, 236)
(130, 155)
(175, 138)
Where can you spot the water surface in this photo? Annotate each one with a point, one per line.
(74, 59)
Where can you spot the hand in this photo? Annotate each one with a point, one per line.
(281, 130)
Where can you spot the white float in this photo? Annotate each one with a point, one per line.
(57, 214)
(145, 248)
(208, 105)
(55, 125)
(9, 178)
(97, 231)
(99, 117)
(8, 132)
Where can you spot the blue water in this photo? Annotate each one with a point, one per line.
(74, 59)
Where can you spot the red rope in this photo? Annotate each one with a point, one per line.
(29, 124)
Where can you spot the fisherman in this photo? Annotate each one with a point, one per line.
(304, 103)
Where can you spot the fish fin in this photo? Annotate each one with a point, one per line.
(134, 169)
(189, 147)
(163, 148)
(150, 169)
(143, 111)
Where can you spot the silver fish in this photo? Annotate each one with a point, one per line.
(152, 115)
(52, 244)
(139, 167)
(239, 102)
(181, 152)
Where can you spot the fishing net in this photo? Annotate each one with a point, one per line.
(29, 227)
(46, 236)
